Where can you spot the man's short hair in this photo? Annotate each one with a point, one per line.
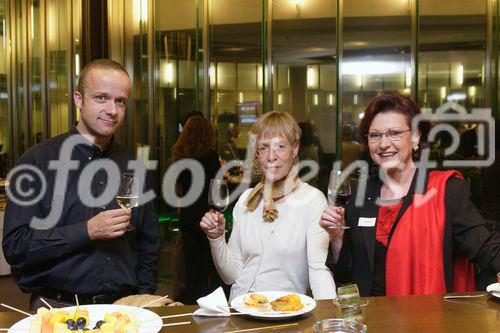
(99, 64)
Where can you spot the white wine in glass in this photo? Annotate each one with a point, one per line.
(218, 199)
(128, 193)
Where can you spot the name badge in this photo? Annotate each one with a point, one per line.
(366, 221)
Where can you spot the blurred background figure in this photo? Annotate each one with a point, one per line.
(196, 275)
(227, 149)
(308, 149)
(315, 139)
(351, 150)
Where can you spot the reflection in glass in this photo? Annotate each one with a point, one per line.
(304, 76)
(452, 53)
(235, 56)
(57, 65)
(4, 119)
(377, 57)
(36, 74)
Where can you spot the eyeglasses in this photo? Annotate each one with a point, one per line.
(391, 135)
(264, 150)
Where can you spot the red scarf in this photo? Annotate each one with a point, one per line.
(414, 263)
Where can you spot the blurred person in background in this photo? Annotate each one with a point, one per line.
(351, 150)
(197, 272)
(308, 150)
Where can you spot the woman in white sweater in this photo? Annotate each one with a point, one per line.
(276, 242)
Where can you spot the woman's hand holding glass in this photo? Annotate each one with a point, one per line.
(333, 221)
(218, 200)
(339, 193)
(213, 224)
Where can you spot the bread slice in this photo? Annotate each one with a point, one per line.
(255, 300)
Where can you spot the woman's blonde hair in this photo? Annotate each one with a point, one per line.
(277, 123)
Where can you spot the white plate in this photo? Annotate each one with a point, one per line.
(495, 288)
(150, 321)
(239, 305)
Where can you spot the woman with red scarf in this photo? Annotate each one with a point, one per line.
(407, 239)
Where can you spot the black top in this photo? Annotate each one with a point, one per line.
(190, 216)
(63, 257)
(378, 285)
(465, 232)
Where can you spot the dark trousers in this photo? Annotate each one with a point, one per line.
(200, 274)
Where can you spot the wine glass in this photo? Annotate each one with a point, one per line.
(218, 200)
(339, 192)
(127, 196)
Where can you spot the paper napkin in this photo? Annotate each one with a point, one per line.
(213, 305)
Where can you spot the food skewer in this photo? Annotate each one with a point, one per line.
(76, 300)
(272, 327)
(176, 315)
(46, 303)
(152, 302)
(15, 309)
(177, 324)
(14, 329)
(149, 303)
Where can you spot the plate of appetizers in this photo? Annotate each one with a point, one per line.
(96, 318)
(273, 304)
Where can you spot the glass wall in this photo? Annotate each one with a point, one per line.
(236, 71)
(37, 72)
(4, 93)
(58, 62)
(177, 55)
(234, 60)
(36, 42)
(304, 61)
(454, 64)
(129, 24)
(452, 53)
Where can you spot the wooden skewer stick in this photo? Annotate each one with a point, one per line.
(176, 315)
(177, 324)
(15, 309)
(169, 316)
(272, 327)
(76, 300)
(14, 329)
(46, 303)
(238, 314)
(149, 303)
(154, 301)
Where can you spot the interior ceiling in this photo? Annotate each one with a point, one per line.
(300, 42)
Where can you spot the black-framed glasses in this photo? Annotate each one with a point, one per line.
(392, 135)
